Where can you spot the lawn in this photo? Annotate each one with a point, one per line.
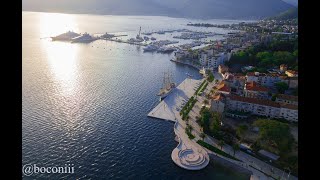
(216, 150)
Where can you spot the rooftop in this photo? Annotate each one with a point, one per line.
(289, 106)
(253, 86)
(287, 97)
(255, 101)
(292, 72)
(218, 97)
(223, 87)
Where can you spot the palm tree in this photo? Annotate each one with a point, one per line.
(205, 102)
(221, 143)
(202, 135)
(235, 147)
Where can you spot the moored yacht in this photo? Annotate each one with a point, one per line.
(84, 38)
(65, 36)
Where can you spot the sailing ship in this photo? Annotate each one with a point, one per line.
(168, 86)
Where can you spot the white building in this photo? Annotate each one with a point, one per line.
(261, 107)
(288, 99)
(263, 78)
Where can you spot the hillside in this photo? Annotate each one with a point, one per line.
(289, 14)
(200, 9)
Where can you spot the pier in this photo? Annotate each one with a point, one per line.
(188, 154)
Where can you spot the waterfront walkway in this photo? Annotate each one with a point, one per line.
(168, 107)
(188, 154)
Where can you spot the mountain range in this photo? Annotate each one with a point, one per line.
(198, 9)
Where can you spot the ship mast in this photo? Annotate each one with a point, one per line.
(139, 31)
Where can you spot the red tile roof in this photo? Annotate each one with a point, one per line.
(288, 97)
(223, 87)
(292, 72)
(218, 97)
(253, 86)
(255, 101)
(289, 106)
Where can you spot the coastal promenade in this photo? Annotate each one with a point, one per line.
(188, 154)
(189, 151)
(172, 104)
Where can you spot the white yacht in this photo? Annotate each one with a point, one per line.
(150, 48)
(166, 49)
(85, 38)
(65, 36)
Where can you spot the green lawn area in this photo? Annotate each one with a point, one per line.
(216, 150)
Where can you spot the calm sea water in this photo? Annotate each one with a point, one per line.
(87, 104)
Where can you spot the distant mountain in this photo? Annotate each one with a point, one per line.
(292, 2)
(201, 9)
(289, 14)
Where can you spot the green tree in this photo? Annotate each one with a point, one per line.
(215, 123)
(274, 97)
(202, 135)
(241, 130)
(205, 102)
(283, 57)
(235, 147)
(281, 87)
(274, 133)
(221, 144)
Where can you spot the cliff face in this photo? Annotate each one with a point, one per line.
(202, 9)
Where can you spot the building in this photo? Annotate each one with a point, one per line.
(181, 54)
(222, 69)
(289, 112)
(203, 59)
(291, 73)
(254, 90)
(209, 59)
(262, 107)
(288, 99)
(263, 79)
(218, 102)
(291, 81)
(283, 68)
(222, 88)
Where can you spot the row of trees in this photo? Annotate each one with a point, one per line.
(267, 56)
(187, 108)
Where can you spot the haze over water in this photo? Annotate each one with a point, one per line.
(87, 104)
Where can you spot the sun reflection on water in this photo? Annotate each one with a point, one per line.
(61, 56)
(52, 24)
